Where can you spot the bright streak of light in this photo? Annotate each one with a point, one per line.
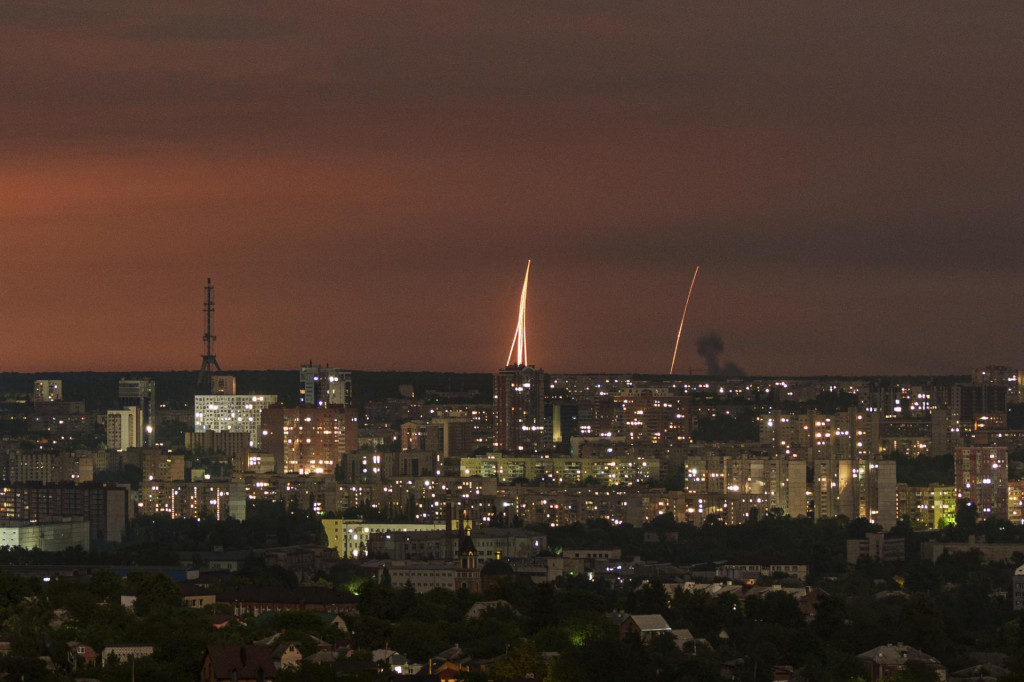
(679, 334)
(519, 340)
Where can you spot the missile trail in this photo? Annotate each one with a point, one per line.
(679, 334)
(519, 340)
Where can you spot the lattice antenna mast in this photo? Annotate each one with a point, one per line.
(209, 357)
(519, 340)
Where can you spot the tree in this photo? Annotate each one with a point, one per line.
(13, 589)
(154, 592)
(419, 640)
(650, 597)
(522, 660)
(610, 660)
(778, 608)
(370, 632)
(966, 515)
(307, 672)
(915, 671)
(106, 586)
(543, 606)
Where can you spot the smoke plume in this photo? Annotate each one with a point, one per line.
(710, 347)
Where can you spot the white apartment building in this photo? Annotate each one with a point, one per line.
(48, 536)
(48, 391)
(232, 413)
(124, 429)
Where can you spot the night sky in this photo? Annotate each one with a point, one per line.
(365, 182)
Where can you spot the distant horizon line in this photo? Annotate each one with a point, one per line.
(443, 371)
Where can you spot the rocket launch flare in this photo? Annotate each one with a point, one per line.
(679, 334)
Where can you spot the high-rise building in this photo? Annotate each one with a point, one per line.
(456, 436)
(324, 386)
(980, 406)
(162, 466)
(1012, 379)
(855, 489)
(22, 466)
(846, 434)
(562, 418)
(519, 409)
(931, 506)
(48, 391)
(981, 479)
(769, 483)
(140, 393)
(652, 416)
(308, 440)
(232, 413)
(223, 384)
(124, 429)
(446, 436)
(519, 394)
(108, 507)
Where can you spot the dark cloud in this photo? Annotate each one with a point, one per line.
(710, 347)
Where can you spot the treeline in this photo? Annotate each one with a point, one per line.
(266, 524)
(561, 631)
(99, 389)
(159, 540)
(775, 538)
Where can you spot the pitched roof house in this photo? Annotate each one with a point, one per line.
(237, 663)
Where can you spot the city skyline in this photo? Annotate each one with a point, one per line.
(363, 184)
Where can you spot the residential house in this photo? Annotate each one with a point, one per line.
(237, 663)
(82, 654)
(645, 626)
(287, 655)
(884, 661)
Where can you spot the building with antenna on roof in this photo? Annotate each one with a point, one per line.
(519, 394)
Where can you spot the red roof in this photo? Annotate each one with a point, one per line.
(247, 661)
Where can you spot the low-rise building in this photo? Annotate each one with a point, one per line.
(82, 654)
(125, 652)
(754, 571)
(508, 543)
(351, 537)
(49, 536)
(197, 596)
(252, 601)
(1018, 589)
(991, 551)
(887, 660)
(287, 655)
(644, 626)
(876, 546)
(238, 663)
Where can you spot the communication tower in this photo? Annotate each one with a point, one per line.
(210, 364)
